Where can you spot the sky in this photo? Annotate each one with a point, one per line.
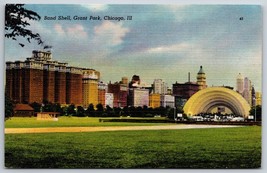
(160, 42)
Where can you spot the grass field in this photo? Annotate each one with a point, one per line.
(192, 148)
(18, 122)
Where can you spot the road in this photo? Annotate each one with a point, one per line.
(110, 128)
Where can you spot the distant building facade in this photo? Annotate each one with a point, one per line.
(201, 79)
(185, 90)
(138, 97)
(109, 99)
(160, 87)
(120, 93)
(154, 100)
(167, 100)
(244, 87)
(74, 86)
(102, 90)
(90, 87)
(39, 79)
(247, 90)
(239, 83)
(258, 98)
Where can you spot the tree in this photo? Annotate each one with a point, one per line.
(80, 111)
(16, 22)
(117, 111)
(48, 107)
(36, 106)
(56, 107)
(9, 108)
(125, 111)
(162, 111)
(109, 111)
(99, 109)
(71, 110)
(90, 110)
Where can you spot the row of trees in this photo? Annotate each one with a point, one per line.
(100, 111)
(107, 111)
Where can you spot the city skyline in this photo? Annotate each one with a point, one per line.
(160, 42)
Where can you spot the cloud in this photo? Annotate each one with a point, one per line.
(76, 31)
(96, 7)
(58, 28)
(173, 48)
(109, 33)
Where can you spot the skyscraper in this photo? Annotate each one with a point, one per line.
(90, 87)
(201, 79)
(160, 87)
(49, 82)
(154, 100)
(240, 83)
(39, 79)
(247, 90)
(74, 85)
(120, 92)
(60, 83)
(138, 97)
(102, 90)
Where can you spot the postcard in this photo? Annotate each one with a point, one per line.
(133, 86)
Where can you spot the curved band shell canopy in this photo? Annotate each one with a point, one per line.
(206, 99)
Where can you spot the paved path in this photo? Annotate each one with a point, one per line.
(110, 128)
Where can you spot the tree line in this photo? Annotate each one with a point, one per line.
(100, 111)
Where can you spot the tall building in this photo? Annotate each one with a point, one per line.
(247, 90)
(24, 82)
(10, 66)
(135, 81)
(157, 85)
(33, 82)
(138, 97)
(244, 87)
(102, 90)
(39, 79)
(74, 86)
(258, 98)
(160, 87)
(239, 83)
(49, 82)
(154, 100)
(124, 81)
(167, 100)
(201, 79)
(185, 90)
(119, 94)
(60, 83)
(90, 87)
(109, 99)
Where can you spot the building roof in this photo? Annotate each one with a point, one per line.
(239, 76)
(23, 107)
(201, 71)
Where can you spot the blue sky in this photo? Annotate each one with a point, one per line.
(161, 41)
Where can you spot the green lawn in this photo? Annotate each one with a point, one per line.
(192, 148)
(18, 122)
